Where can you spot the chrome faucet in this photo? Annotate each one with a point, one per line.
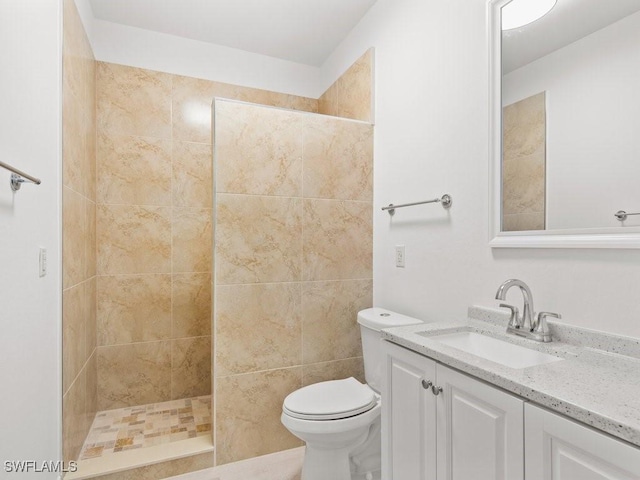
(525, 325)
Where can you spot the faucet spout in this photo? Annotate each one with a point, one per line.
(526, 321)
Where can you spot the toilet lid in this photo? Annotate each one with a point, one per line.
(330, 400)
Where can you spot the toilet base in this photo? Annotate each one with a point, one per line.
(358, 461)
(324, 464)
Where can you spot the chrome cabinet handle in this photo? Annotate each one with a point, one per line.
(426, 384)
(436, 390)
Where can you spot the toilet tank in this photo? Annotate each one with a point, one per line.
(371, 321)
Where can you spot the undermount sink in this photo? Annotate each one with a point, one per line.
(499, 351)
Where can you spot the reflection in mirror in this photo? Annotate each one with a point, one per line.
(571, 110)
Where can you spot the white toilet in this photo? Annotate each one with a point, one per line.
(340, 420)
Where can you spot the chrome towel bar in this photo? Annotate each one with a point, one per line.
(622, 215)
(18, 177)
(445, 200)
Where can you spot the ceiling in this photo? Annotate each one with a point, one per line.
(302, 31)
(568, 22)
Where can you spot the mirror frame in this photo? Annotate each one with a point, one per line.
(570, 238)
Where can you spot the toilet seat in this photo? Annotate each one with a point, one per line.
(332, 400)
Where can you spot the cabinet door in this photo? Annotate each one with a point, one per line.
(560, 449)
(480, 430)
(408, 419)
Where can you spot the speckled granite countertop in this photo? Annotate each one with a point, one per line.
(597, 383)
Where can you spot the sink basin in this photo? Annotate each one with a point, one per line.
(499, 351)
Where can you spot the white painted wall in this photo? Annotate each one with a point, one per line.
(136, 47)
(432, 138)
(593, 103)
(30, 307)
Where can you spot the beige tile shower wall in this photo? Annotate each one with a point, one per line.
(79, 234)
(524, 165)
(293, 264)
(351, 96)
(154, 231)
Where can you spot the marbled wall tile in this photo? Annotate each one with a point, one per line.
(74, 419)
(134, 374)
(328, 102)
(255, 95)
(301, 104)
(73, 143)
(259, 239)
(91, 396)
(330, 330)
(77, 55)
(74, 342)
(248, 414)
(79, 233)
(191, 305)
(525, 127)
(133, 239)
(335, 370)
(258, 327)
(74, 235)
(91, 323)
(523, 184)
(134, 170)
(134, 308)
(73, 33)
(355, 89)
(258, 150)
(190, 367)
(523, 221)
(192, 99)
(90, 239)
(192, 175)
(191, 105)
(338, 159)
(192, 239)
(91, 72)
(338, 240)
(133, 101)
(90, 158)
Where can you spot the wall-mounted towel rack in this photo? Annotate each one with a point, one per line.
(18, 177)
(622, 215)
(445, 200)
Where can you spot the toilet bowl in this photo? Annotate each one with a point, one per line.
(339, 420)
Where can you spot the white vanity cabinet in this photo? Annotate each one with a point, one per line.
(557, 448)
(469, 430)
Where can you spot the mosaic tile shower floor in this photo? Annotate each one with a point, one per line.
(142, 426)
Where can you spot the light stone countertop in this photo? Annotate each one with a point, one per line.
(597, 383)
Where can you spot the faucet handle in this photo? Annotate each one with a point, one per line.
(514, 321)
(549, 314)
(541, 327)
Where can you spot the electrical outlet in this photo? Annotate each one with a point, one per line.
(400, 257)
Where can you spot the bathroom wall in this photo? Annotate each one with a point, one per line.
(154, 232)
(125, 45)
(293, 260)
(351, 95)
(79, 374)
(523, 164)
(593, 105)
(432, 98)
(31, 313)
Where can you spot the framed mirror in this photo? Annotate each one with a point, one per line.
(565, 124)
